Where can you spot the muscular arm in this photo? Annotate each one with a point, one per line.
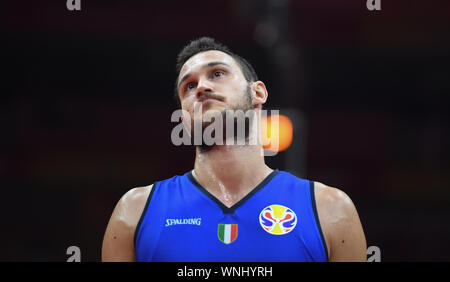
(118, 241)
(340, 224)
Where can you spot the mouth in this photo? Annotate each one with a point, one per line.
(204, 101)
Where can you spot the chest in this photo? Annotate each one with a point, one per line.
(187, 224)
(255, 231)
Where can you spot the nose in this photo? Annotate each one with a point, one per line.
(203, 87)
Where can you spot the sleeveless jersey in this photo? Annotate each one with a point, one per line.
(276, 221)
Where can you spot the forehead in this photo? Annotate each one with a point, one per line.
(203, 58)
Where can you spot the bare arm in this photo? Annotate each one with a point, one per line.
(118, 241)
(340, 224)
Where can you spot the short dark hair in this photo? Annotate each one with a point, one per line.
(206, 44)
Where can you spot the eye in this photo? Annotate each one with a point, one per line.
(190, 85)
(218, 73)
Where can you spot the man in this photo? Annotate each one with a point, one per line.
(231, 206)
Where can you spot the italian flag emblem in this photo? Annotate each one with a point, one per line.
(227, 233)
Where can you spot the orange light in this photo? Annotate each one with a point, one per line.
(276, 137)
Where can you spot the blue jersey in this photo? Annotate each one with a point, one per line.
(276, 221)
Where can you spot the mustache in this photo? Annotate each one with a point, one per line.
(211, 96)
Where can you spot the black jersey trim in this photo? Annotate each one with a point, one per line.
(138, 226)
(316, 215)
(224, 208)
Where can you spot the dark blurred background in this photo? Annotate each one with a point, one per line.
(87, 98)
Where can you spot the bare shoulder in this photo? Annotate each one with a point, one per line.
(118, 241)
(340, 223)
(335, 208)
(332, 199)
(131, 205)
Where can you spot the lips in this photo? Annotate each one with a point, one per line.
(203, 101)
(210, 97)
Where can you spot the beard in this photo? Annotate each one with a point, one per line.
(228, 116)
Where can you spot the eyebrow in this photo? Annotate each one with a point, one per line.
(208, 65)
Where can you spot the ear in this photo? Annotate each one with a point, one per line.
(260, 93)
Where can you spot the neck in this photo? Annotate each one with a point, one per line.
(230, 172)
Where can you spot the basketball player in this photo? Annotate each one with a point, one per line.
(231, 206)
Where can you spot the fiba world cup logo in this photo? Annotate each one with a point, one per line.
(277, 219)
